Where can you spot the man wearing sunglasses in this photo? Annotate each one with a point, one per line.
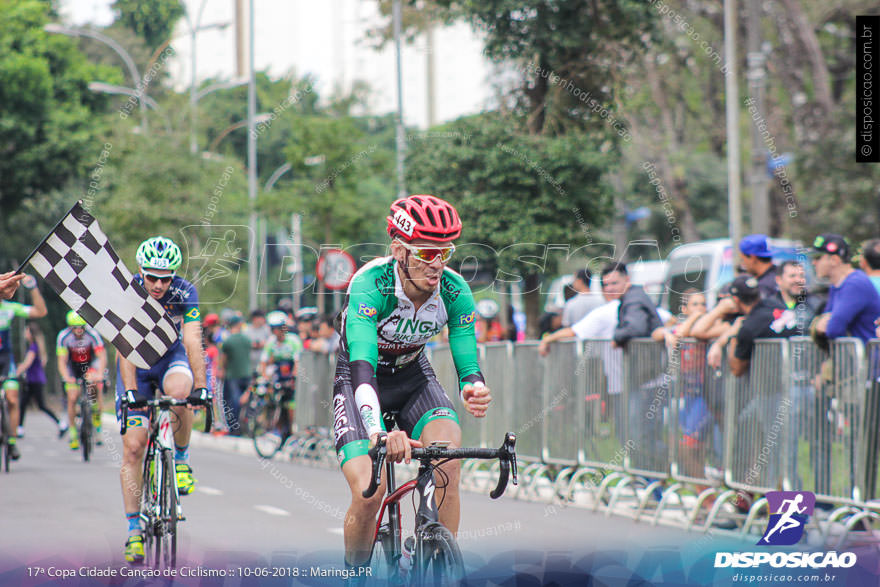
(177, 373)
(394, 306)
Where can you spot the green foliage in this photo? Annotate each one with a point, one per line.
(583, 42)
(46, 109)
(153, 20)
(334, 167)
(515, 193)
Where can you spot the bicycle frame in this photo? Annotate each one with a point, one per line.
(426, 512)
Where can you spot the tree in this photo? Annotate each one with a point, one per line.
(47, 122)
(153, 20)
(517, 194)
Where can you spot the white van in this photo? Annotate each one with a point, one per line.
(707, 265)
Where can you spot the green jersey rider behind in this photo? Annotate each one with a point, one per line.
(394, 306)
(279, 359)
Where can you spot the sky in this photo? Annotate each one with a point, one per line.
(325, 39)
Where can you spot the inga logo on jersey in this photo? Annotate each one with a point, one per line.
(409, 326)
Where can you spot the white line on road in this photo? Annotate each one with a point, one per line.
(272, 510)
(209, 490)
(337, 531)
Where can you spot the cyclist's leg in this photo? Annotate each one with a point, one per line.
(134, 443)
(177, 382)
(352, 444)
(446, 430)
(360, 519)
(11, 388)
(72, 391)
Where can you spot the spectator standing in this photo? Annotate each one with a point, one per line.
(487, 326)
(583, 302)
(258, 332)
(791, 280)
(762, 318)
(637, 315)
(32, 367)
(757, 261)
(870, 261)
(236, 369)
(327, 339)
(853, 301)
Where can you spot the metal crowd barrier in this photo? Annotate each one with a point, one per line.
(802, 418)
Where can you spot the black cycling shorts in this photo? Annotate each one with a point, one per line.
(411, 396)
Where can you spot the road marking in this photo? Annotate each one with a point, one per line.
(337, 531)
(272, 510)
(209, 490)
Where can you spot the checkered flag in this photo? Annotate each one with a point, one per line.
(77, 260)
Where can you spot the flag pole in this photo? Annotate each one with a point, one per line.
(45, 238)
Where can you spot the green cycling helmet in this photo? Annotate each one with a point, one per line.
(159, 253)
(74, 320)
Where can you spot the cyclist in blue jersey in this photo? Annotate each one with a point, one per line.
(9, 311)
(177, 373)
(394, 306)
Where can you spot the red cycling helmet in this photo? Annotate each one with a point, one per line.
(423, 217)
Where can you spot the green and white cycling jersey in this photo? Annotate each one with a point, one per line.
(282, 354)
(8, 312)
(379, 323)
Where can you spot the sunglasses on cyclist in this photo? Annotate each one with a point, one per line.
(152, 277)
(429, 254)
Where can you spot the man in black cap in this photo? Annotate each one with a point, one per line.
(853, 301)
(758, 263)
(762, 318)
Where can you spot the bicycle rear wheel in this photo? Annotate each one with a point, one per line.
(169, 511)
(85, 432)
(264, 429)
(438, 559)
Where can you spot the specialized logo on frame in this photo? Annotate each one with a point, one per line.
(789, 512)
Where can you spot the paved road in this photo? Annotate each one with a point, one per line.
(60, 510)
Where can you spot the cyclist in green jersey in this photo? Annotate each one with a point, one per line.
(394, 306)
(9, 311)
(279, 358)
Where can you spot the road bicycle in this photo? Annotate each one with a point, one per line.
(268, 418)
(85, 406)
(160, 500)
(430, 556)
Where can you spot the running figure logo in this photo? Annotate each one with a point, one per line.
(789, 512)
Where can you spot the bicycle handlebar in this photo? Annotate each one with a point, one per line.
(165, 402)
(506, 455)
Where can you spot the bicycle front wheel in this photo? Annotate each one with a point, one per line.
(264, 429)
(168, 510)
(85, 427)
(438, 559)
(384, 562)
(149, 497)
(4, 435)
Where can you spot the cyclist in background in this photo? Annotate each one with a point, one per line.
(9, 311)
(280, 355)
(81, 355)
(394, 306)
(178, 371)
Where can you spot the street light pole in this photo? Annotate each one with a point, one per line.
(734, 203)
(401, 138)
(252, 164)
(123, 54)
